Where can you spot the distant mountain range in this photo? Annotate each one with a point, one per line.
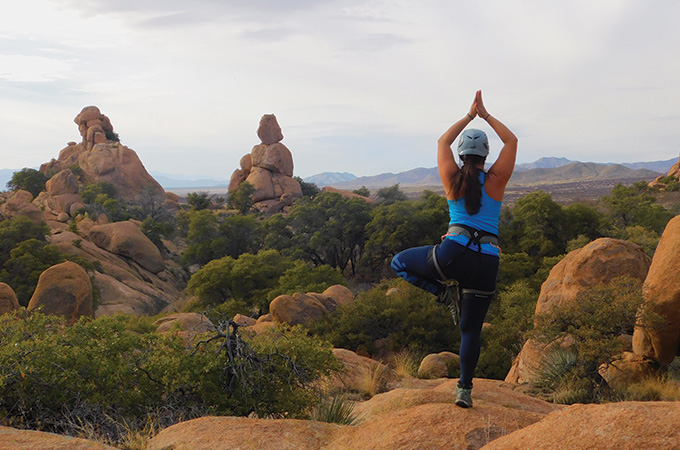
(544, 170)
(183, 181)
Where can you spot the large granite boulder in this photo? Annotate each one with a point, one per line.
(302, 308)
(661, 291)
(620, 426)
(597, 263)
(126, 239)
(15, 439)
(65, 290)
(8, 299)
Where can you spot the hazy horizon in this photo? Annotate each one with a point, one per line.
(357, 85)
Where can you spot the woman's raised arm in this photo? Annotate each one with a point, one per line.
(446, 163)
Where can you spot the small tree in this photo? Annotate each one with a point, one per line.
(198, 200)
(392, 194)
(308, 189)
(363, 191)
(242, 198)
(30, 180)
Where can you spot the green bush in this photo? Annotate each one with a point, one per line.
(594, 323)
(410, 318)
(97, 373)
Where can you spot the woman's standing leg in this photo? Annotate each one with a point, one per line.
(473, 311)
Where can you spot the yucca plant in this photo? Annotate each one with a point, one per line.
(335, 408)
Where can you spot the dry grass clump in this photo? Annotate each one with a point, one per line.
(653, 388)
(406, 363)
(372, 379)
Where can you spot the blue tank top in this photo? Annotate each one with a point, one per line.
(486, 218)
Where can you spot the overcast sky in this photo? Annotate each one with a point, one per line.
(358, 86)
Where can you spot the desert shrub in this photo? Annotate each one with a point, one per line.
(90, 191)
(248, 278)
(303, 278)
(408, 318)
(593, 323)
(96, 373)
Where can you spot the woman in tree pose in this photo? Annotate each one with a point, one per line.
(468, 254)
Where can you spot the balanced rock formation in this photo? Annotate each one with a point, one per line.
(597, 263)
(101, 157)
(302, 308)
(8, 299)
(64, 290)
(269, 169)
(661, 291)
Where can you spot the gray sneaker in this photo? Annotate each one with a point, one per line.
(464, 397)
(449, 297)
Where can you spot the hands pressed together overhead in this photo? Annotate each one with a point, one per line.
(478, 107)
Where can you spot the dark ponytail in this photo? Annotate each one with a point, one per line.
(466, 181)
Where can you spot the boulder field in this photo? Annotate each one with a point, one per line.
(419, 415)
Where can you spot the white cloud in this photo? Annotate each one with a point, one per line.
(361, 85)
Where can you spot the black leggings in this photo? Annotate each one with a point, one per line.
(473, 271)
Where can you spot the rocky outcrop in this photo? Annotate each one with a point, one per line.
(64, 290)
(597, 263)
(126, 239)
(661, 291)
(213, 433)
(419, 418)
(102, 158)
(674, 172)
(8, 299)
(269, 169)
(13, 439)
(302, 308)
(620, 426)
(124, 286)
(20, 204)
